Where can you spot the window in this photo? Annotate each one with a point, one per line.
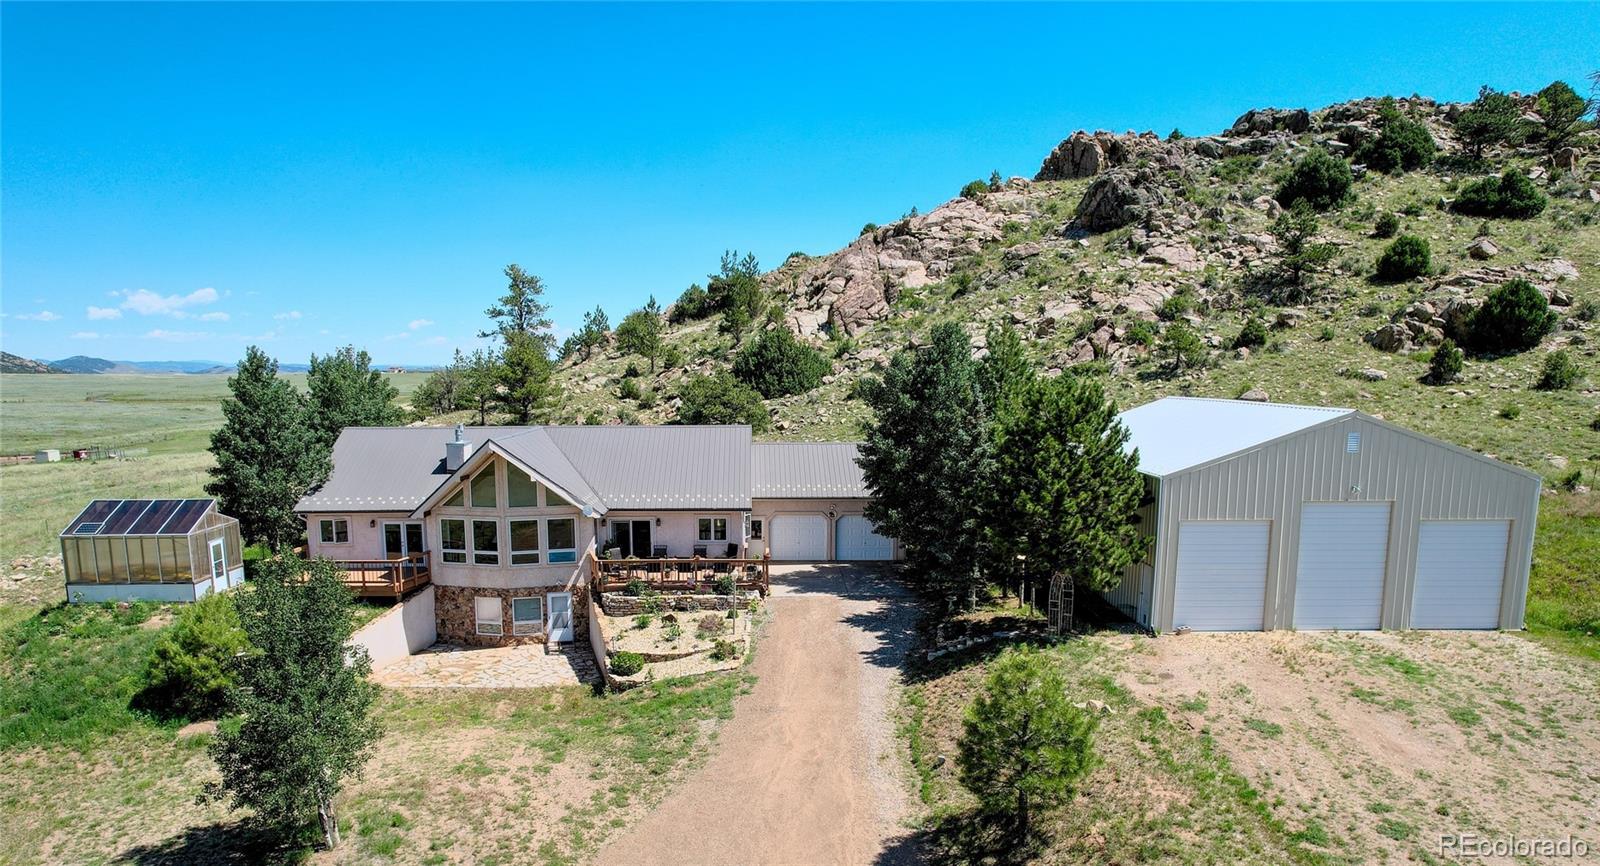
(755, 529)
(562, 536)
(527, 615)
(1352, 442)
(219, 564)
(457, 499)
(524, 542)
(486, 612)
(336, 531)
(485, 542)
(713, 529)
(453, 538)
(521, 491)
(482, 492)
(554, 500)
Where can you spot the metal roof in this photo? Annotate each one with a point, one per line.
(105, 517)
(1178, 433)
(397, 468)
(806, 470)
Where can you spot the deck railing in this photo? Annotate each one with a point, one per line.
(385, 577)
(680, 574)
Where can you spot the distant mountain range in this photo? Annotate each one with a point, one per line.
(10, 363)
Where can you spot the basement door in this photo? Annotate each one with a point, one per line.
(1344, 548)
(1222, 575)
(1461, 569)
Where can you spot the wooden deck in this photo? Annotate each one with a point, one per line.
(678, 574)
(385, 578)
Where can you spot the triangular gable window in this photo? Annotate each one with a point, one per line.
(456, 499)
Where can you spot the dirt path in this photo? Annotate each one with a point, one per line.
(807, 772)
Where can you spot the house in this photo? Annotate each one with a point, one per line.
(508, 526)
(150, 550)
(1268, 516)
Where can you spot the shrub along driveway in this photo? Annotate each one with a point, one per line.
(808, 770)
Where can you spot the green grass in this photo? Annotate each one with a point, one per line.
(1264, 727)
(1564, 586)
(67, 674)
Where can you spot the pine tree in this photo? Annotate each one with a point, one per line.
(1061, 491)
(640, 333)
(923, 457)
(480, 380)
(1560, 110)
(267, 453)
(1024, 746)
(303, 698)
(525, 379)
(1005, 371)
(344, 391)
(596, 327)
(1493, 118)
(521, 310)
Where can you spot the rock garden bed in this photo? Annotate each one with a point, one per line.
(654, 646)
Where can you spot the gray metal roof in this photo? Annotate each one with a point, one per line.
(661, 466)
(806, 470)
(387, 468)
(397, 468)
(1177, 433)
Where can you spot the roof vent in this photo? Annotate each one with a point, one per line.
(455, 452)
(1352, 442)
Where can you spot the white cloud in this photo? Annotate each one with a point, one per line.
(86, 335)
(41, 316)
(214, 317)
(148, 303)
(419, 323)
(97, 313)
(289, 316)
(175, 336)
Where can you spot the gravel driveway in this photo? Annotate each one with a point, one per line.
(808, 771)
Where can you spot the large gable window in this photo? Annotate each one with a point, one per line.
(485, 542)
(458, 498)
(562, 536)
(453, 539)
(521, 490)
(554, 500)
(482, 489)
(524, 542)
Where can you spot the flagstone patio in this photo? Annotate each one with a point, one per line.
(528, 666)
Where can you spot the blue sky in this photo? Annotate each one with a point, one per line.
(178, 181)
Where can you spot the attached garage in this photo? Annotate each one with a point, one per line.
(1222, 575)
(1343, 550)
(855, 539)
(799, 537)
(1269, 516)
(1461, 570)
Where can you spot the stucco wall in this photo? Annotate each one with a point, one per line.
(366, 534)
(408, 627)
(679, 530)
(1423, 479)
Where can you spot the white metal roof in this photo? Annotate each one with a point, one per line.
(1178, 433)
(806, 470)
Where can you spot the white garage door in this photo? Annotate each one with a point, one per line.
(1339, 579)
(800, 537)
(1461, 565)
(1222, 575)
(855, 538)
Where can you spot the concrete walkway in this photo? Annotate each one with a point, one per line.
(446, 666)
(808, 771)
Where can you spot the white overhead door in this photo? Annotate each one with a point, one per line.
(1461, 566)
(1339, 579)
(1222, 575)
(799, 537)
(854, 538)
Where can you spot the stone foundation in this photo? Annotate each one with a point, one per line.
(457, 624)
(621, 604)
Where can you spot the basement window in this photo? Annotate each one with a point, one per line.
(1352, 442)
(487, 616)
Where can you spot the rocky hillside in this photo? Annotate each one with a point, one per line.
(1117, 236)
(10, 363)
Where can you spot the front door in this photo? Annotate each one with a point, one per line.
(560, 604)
(401, 540)
(219, 564)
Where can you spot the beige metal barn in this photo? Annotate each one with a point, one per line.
(1269, 516)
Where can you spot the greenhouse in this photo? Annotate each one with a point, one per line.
(151, 550)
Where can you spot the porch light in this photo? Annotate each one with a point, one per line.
(658, 521)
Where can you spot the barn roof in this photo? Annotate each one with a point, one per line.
(1178, 433)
